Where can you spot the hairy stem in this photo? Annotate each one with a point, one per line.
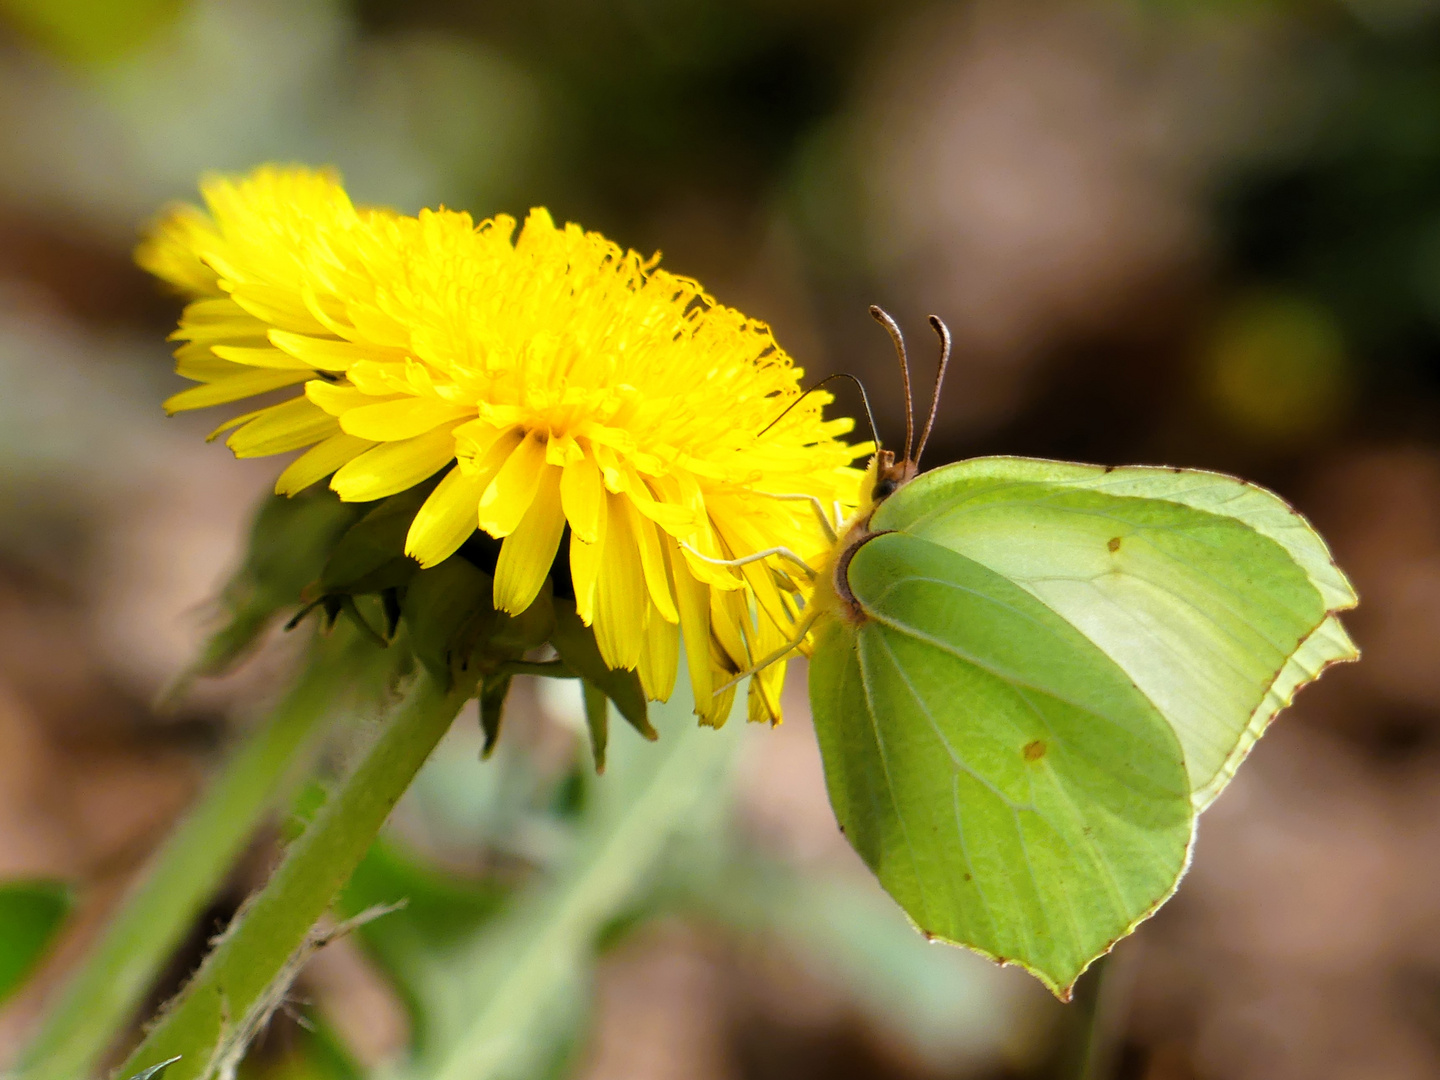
(250, 966)
(101, 998)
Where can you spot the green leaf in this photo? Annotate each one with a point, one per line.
(290, 541)
(1047, 672)
(512, 636)
(30, 914)
(1010, 787)
(1212, 594)
(455, 630)
(597, 721)
(493, 691)
(370, 556)
(447, 608)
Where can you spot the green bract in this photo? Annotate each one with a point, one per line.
(1035, 676)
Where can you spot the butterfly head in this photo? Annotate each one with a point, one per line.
(886, 474)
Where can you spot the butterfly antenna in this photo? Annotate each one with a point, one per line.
(882, 316)
(864, 398)
(943, 333)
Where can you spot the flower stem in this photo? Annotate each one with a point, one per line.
(251, 964)
(103, 995)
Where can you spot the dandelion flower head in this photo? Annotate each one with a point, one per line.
(554, 379)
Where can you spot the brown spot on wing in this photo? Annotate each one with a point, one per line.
(1034, 750)
(1113, 544)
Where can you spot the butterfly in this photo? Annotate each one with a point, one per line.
(1028, 678)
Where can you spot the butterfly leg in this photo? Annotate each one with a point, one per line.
(782, 552)
(815, 504)
(785, 650)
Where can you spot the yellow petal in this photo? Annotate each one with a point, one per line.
(319, 462)
(277, 306)
(247, 384)
(652, 561)
(510, 493)
(169, 251)
(281, 428)
(338, 400)
(660, 658)
(717, 709)
(620, 596)
(240, 331)
(403, 418)
(497, 448)
(583, 498)
(585, 567)
(239, 421)
(693, 602)
(729, 625)
(765, 686)
(446, 519)
(584, 570)
(562, 449)
(199, 363)
(676, 520)
(762, 704)
(760, 576)
(328, 310)
(328, 354)
(374, 326)
(474, 440)
(394, 466)
(213, 310)
(261, 358)
(527, 553)
(380, 380)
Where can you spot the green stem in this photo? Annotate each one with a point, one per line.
(101, 998)
(252, 962)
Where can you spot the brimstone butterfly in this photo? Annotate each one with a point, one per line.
(1029, 677)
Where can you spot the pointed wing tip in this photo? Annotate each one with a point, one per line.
(1060, 985)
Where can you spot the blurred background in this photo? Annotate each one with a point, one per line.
(1197, 233)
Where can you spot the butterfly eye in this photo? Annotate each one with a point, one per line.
(884, 488)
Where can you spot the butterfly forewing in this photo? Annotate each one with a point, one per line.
(1212, 595)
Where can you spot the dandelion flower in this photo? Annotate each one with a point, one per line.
(555, 379)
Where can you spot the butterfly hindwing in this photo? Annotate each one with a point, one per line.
(1005, 780)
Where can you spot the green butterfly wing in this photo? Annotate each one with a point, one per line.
(1212, 594)
(1010, 787)
(1057, 667)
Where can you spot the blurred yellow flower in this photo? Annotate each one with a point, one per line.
(560, 379)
